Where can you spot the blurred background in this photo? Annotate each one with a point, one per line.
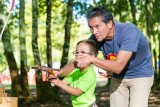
(45, 32)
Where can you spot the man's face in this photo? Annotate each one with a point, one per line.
(100, 29)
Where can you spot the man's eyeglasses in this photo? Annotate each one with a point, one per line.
(82, 53)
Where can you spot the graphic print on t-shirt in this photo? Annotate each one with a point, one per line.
(111, 56)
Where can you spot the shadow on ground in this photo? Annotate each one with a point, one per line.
(102, 96)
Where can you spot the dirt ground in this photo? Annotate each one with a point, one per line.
(102, 96)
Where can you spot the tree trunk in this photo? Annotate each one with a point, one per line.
(6, 39)
(133, 11)
(23, 56)
(157, 74)
(36, 55)
(35, 49)
(48, 33)
(15, 86)
(157, 3)
(149, 24)
(68, 23)
(51, 93)
(150, 27)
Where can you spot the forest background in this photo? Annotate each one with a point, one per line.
(40, 32)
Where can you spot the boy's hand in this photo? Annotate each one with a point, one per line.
(51, 77)
(51, 71)
(55, 80)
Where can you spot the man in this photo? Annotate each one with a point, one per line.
(127, 56)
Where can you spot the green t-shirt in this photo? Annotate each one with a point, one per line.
(86, 81)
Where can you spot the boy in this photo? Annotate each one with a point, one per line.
(80, 83)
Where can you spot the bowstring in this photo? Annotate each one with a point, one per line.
(12, 7)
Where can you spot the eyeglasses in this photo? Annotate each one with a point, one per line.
(82, 53)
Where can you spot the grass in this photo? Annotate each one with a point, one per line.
(8, 86)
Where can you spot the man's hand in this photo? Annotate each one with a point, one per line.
(106, 74)
(82, 61)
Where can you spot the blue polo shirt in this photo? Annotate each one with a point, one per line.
(129, 38)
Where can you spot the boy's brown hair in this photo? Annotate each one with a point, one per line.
(92, 46)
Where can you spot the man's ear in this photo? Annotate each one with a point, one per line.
(110, 24)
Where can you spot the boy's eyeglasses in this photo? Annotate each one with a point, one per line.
(82, 53)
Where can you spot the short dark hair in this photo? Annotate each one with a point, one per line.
(92, 45)
(100, 12)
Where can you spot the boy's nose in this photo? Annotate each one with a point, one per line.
(79, 55)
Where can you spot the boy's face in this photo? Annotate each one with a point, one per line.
(82, 49)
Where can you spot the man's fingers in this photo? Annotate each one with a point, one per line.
(78, 63)
(103, 74)
(81, 65)
(81, 62)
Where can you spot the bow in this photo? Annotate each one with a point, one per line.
(12, 6)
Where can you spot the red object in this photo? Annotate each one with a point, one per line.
(111, 56)
(13, 3)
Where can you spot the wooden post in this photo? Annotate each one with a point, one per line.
(6, 101)
(9, 102)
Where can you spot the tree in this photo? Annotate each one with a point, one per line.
(149, 24)
(48, 33)
(23, 56)
(157, 67)
(133, 11)
(157, 2)
(37, 61)
(8, 52)
(68, 23)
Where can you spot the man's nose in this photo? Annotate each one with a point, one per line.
(94, 31)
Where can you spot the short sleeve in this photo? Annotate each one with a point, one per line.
(69, 78)
(130, 39)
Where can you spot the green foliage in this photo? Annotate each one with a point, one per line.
(3, 63)
(121, 11)
(80, 8)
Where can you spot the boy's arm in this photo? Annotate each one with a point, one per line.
(63, 84)
(67, 69)
(70, 90)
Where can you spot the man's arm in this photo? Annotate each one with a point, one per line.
(115, 66)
